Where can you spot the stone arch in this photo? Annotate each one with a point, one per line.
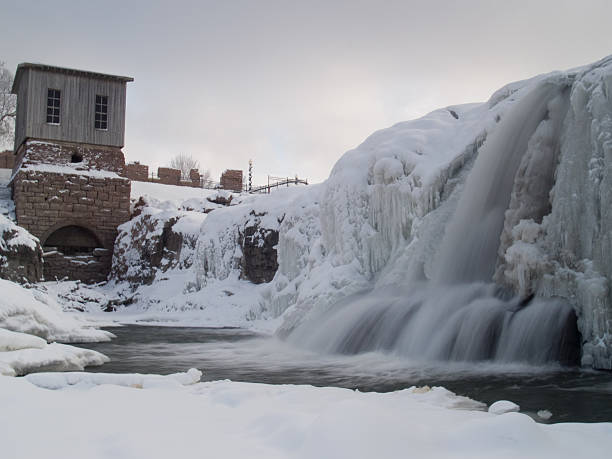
(72, 238)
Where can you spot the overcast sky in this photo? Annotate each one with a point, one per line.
(294, 84)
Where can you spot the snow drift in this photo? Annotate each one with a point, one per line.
(237, 420)
(29, 319)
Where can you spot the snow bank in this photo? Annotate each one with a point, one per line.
(228, 419)
(43, 356)
(503, 406)
(30, 318)
(34, 312)
(172, 194)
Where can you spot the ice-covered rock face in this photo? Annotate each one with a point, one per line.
(569, 253)
(394, 211)
(515, 191)
(153, 242)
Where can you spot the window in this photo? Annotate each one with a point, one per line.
(53, 106)
(101, 121)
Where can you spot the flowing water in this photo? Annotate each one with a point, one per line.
(571, 395)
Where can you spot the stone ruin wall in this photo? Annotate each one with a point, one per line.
(231, 179)
(137, 172)
(165, 175)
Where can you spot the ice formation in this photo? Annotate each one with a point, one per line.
(532, 214)
(479, 231)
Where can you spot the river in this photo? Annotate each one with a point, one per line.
(570, 394)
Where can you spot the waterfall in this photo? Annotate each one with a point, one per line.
(460, 314)
(469, 248)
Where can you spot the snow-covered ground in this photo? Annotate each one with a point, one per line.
(32, 326)
(174, 194)
(132, 416)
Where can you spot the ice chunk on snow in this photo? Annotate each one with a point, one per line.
(503, 406)
(62, 380)
(544, 414)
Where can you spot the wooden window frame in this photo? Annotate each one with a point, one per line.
(101, 113)
(54, 100)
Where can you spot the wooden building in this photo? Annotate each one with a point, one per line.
(55, 103)
(69, 182)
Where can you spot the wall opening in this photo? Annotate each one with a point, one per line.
(72, 240)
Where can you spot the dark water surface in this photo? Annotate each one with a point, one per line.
(571, 395)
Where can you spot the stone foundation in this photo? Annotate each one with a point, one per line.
(51, 197)
(88, 268)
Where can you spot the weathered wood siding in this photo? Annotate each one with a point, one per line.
(21, 118)
(77, 108)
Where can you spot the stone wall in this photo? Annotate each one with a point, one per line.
(57, 194)
(168, 176)
(231, 179)
(165, 175)
(80, 156)
(137, 172)
(7, 159)
(46, 201)
(194, 177)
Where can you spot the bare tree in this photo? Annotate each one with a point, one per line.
(205, 179)
(184, 163)
(8, 106)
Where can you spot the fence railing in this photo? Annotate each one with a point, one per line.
(275, 182)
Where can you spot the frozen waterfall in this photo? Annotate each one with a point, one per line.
(469, 248)
(459, 314)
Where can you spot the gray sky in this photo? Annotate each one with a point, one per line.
(294, 84)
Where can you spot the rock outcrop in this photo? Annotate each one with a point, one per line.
(20, 253)
(154, 242)
(259, 257)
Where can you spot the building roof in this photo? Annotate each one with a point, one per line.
(50, 68)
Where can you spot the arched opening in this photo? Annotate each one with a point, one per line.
(76, 158)
(72, 240)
